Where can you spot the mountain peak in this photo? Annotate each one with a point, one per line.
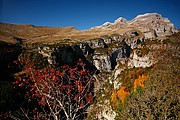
(120, 20)
(147, 16)
(107, 23)
(150, 24)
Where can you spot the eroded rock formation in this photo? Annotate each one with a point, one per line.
(103, 52)
(152, 25)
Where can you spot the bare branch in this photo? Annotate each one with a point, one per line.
(26, 115)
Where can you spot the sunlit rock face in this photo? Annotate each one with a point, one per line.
(102, 45)
(107, 112)
(152, 25)
(144, 61)
(102, 62)
(102, 52)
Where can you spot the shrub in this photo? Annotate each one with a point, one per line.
(142, 51)
(62, 92)
(139, 82)
(160, 98)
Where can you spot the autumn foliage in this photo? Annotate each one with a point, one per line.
(122, 93)
(140, 82)
(62, 92)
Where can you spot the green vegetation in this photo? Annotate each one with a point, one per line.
(158, 97)
(141, 52)
(101, 50)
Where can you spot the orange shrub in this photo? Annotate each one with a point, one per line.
(123, 91)
(120, 94)
(140, 82)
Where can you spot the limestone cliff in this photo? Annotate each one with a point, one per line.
(150, 24)
(103, 52)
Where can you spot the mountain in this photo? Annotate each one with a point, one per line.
(150, 24)
(13, 33)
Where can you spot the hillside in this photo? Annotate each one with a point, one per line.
(116, 71)
(34, 34)
(151, 25)
(157, 92)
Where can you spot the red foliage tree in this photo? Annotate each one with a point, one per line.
(62, 92)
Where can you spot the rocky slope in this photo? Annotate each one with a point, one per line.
(103, 46)
(151, 24)
(110, 48)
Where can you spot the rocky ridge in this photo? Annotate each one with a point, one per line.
(152, 25)
(103, 46)
(102, 52)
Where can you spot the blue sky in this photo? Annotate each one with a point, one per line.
(83, 14)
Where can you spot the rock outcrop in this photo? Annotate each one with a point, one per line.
(143, 61)
(103, 52)
(152, 25)
(107, 112)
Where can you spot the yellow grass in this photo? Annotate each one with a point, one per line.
(33, 34)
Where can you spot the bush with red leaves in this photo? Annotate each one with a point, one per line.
(62, 92)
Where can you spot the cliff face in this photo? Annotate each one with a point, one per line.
(103, 46)
(152, 25)
(103, 52)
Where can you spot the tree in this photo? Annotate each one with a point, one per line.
(64, 92)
